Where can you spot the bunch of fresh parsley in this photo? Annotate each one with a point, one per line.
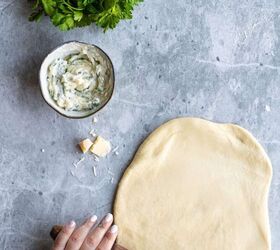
(69, 14)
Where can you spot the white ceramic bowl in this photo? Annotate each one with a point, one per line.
(61, 52)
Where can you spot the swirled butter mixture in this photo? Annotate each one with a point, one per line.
(79, 82)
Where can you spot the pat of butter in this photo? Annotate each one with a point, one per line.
(101, 147)
(85, 145)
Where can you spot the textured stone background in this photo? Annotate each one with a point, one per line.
(216, 59)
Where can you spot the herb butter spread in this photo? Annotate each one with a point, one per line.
(79, 82)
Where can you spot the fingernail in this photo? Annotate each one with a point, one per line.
(108, 218)
(72, 223)
(93, 218)
(114, 229)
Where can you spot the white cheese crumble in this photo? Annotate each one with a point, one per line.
(94, 120)
(115, 149)
(92, 133)
(267, 108)
(96, 158)
(77, 163)
(94, 170)
(79, 82)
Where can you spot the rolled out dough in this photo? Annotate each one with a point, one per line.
(195, 185)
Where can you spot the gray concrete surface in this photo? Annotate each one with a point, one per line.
(216, 59)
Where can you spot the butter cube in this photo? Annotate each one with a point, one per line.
(85, 145)
(101, 147)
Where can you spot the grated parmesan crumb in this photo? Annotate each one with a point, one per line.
(92, 133)
(267, 108)
(94, 120)
(81, 160)
(96, 158)
(115, 149)
(94, 170)
(77, 163)
(72, 173)
(42, 150)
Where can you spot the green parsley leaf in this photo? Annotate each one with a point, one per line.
(49, 6)
(57, 18)
(69, 14)
(78, 15)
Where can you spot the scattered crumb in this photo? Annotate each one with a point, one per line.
(116, 153)
(115, 149)
(94, 170)
(72, 173)
(92, 133)
(81, 160)
(96, 158)
(112, 180)
(42, 150)
(94, 120)
(77, 163)
(267, 108)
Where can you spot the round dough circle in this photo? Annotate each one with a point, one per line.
(195, 184)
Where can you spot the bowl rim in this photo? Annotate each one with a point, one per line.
(95, 111)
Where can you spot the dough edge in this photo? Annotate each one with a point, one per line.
(242, 134)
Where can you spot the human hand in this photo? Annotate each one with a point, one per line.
(84, 237)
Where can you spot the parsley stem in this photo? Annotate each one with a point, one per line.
(66, 2)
